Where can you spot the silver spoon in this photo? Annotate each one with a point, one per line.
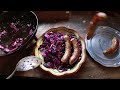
(25, 64)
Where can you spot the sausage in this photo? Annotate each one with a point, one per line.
(113, 48)
(68, 51)
(92, 27)
(76, 51)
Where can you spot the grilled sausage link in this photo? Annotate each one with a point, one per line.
(76, 51)
(113, 48)
(67, 53)
(92, 27)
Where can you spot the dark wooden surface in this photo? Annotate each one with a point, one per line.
(78, 21)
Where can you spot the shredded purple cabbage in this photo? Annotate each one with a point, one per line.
(14, 32)
(53, 48)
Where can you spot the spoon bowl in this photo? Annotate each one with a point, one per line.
(25, 64)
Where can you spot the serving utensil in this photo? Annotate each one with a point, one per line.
(25, 64)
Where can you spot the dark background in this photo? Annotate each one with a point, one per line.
(60, 5)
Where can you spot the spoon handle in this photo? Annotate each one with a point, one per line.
(11, 74)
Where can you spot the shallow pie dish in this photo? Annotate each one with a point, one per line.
(51, 59)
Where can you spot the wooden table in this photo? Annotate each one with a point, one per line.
(78, 21)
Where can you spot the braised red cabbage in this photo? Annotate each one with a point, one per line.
(53, 48)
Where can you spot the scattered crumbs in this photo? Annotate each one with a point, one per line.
(91, 22)
(67, 12)
(91, 76)
(84, 21)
